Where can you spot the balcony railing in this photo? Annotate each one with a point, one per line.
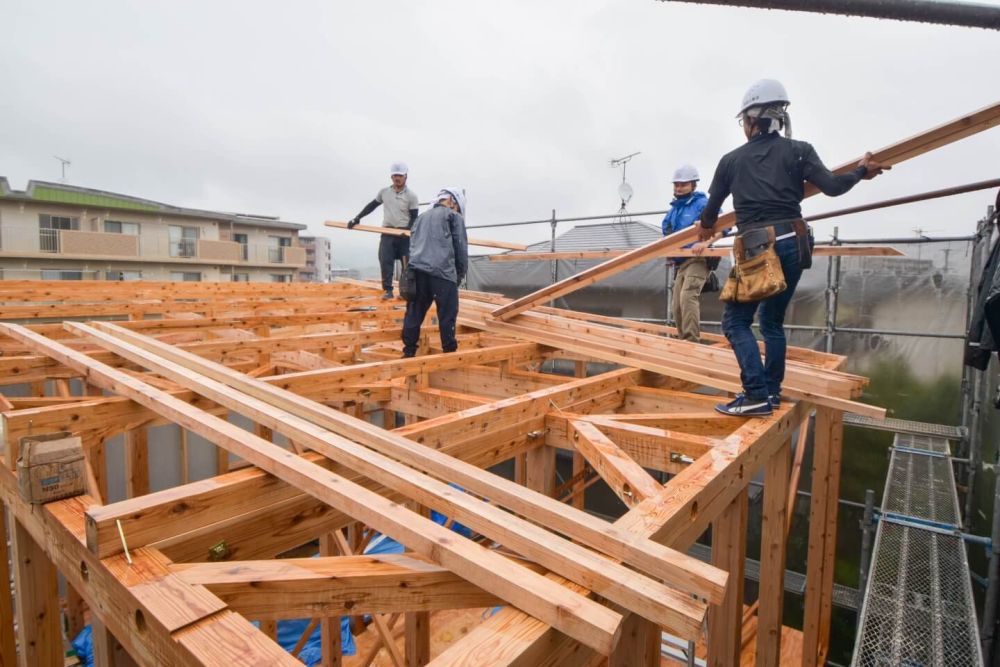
(276, 255)
(48, 240)
(183, 248)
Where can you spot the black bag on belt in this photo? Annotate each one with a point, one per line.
(804, 239)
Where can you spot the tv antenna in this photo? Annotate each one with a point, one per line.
(65, 163)
(625, 191)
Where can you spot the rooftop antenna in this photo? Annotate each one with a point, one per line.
(65, 163)
(625, 191)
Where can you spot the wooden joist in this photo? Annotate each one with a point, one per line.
(392, 231)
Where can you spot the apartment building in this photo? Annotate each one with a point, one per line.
(318, 259)
(53, 231)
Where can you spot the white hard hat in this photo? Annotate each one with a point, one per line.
(685, 174)
(398, 169)
(458, 194)
(765, 91)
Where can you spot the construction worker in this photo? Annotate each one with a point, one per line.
(690, 273)
(399, 213)
(766, 178)
(439, 259)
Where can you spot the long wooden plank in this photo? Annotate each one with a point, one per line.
(334, 586)
(8, 649)
(911, 147)
(626, 478)
(664, 563)
(723, 251)
(643, 595)
(592, 624)
(390, 231)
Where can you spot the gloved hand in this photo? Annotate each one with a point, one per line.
(351, 224)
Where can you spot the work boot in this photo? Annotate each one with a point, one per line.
(387, 295)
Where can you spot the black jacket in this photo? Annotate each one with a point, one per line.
(766, 176)
(984, 327)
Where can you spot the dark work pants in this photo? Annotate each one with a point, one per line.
(391, 248)
(760, 379)
(443, 294)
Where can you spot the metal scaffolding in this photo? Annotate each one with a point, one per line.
(918, 607)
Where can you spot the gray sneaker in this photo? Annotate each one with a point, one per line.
(387, 295)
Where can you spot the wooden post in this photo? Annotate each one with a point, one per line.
(330, 640)
(37, 595)
(827, 451)
(418, 638)
(104, 644)
(579, 463)
(8, 652)
(772, 557)
(136, 462)
(639, 645)
(540, 470)
(729, 547)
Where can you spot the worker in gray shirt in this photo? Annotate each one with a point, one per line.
(439, 263)
(399, 210)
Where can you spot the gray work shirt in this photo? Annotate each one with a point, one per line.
(396, 206)
(438, 245)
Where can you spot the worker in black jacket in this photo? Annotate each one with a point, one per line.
(766, 177)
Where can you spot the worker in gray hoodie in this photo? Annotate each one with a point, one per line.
(439, 258)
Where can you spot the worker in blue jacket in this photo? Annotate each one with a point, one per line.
(690, 273)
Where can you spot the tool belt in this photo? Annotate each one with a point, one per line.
(756, 274)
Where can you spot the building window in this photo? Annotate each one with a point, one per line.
(185, 276)
(61, 274)
(280, 278)
(118, 227)
(48, 231)
(183, 241)
(123, 275)
(276, 248)
(244, 245)
(241, 277)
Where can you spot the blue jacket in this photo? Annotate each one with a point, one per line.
(684, 212)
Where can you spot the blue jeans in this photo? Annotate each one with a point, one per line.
(760, 379)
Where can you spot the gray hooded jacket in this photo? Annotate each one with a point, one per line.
(439, 245)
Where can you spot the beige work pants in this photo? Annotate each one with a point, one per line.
(688, 281)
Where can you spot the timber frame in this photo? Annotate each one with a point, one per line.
(344, 435)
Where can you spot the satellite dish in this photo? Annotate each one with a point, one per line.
(625, 192)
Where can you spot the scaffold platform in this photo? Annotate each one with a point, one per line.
(918, 607)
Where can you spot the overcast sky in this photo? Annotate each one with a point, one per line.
(298, 109)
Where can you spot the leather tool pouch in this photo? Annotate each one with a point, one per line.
(804, 239)
(757, 273)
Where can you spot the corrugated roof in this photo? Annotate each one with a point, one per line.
(603, 236)
(60, 193)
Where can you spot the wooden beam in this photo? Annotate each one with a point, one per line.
(644, 595)
(391, 231)
(36, 592)
(626, 478)
(827, 453)
(906, 149)
(774, 547)
(722, 251)
(592, 624)
(418, 638)
(677, 569)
